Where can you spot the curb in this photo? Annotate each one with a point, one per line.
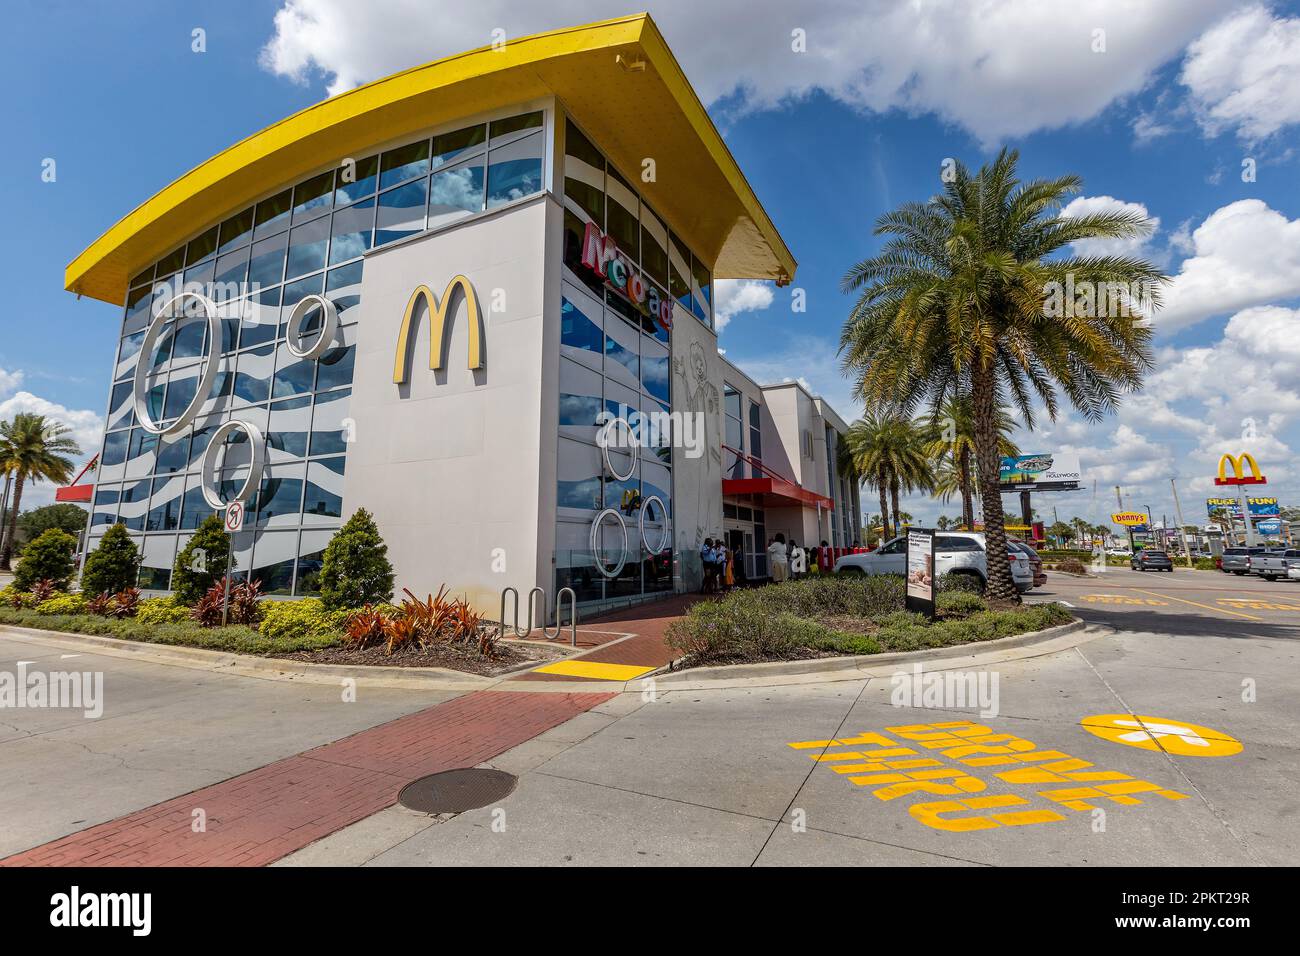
(1016, 647)
(266, 668)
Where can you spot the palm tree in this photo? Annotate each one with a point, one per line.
(952, 434)
(32, 449)
(967, 298)
(887, 450)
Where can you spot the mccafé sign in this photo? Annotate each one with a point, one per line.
(1238, 464)
(601, 255)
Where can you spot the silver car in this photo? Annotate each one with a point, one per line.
(955, 552)
(1237, 560)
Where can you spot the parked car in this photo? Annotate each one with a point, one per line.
(955, 552)
(1035, 562)
(1274, 563)
(1119, 552)
(1236, 560)
(1150, 559)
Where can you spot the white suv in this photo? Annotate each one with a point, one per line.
(955, 552)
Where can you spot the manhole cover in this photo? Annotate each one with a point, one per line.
(455, 791)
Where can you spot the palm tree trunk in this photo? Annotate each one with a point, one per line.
(13, 523)
(893, 495)
(884, 514)
(967, 505)
(1001, 587)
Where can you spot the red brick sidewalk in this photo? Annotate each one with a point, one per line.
(261, 816)
(648, 622)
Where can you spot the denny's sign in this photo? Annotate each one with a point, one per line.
(601, 255)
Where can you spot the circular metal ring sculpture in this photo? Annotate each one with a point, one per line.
(664, 539)
(606, 432)
(211, 364)
(294, 334)
(595, 551)
(208, 472)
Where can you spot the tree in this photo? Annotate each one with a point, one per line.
(887, 450)
(202, 562)
(48, 557)
(355, 570)
(114, 565)
(951, 439)
(32, 448)
(65, 517)
(967, 298)
(1061, 532)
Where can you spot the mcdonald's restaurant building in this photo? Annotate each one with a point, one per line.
(474, 298)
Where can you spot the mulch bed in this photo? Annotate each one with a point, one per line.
(510, 656)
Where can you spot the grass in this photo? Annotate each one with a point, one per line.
(236, 638)
(841, 616)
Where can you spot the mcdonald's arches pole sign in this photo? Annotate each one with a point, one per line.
(440, 316)
(1129, 519)
(1239, 464)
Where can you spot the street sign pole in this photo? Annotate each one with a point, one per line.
(1187, 548)
(234, 521)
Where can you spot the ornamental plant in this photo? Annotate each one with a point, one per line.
(114, 565)
(202, 562)
(355, 570)
(49, 557)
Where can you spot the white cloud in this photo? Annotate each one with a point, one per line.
(1244, 74)
(10, 380)
(86, 427)
(733, 296)
(999, 68)
(1244, 254)
(1093, 205)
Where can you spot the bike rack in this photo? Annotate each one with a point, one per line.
(573, 617)
(559, 626)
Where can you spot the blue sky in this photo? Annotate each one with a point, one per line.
(1162, 116)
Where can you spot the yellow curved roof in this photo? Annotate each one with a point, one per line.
(631, 114)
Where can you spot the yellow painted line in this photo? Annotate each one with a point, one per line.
(1208, 607)
(594, 669)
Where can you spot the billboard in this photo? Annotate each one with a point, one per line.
(1040, 472)
(1259, 507)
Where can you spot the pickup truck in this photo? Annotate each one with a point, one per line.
(1274, 563)
(1236, 560)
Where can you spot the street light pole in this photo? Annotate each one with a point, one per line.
(1178, 510)
(1119, 502)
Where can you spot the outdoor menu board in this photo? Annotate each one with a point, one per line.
(920, 571)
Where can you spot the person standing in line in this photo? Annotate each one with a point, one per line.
(729, 572)
(798, 561)
(706, 559)
(776, 559)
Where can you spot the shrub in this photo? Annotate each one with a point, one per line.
(126, 603)
(114, 565)
(366, 628)
(243, 608)
(959, 602)
(49, 557)
(965, 583)
(355, 570)
(1071, 566)
(201, 562)
(43, 590)
(301, 619)
(162, 610)
(12, 596)
(63, 604)
(101, 605)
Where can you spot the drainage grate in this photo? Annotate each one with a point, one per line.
(455, 791)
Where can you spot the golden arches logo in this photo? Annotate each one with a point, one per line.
(1239, 465)
(439, 327)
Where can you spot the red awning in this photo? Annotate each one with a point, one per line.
(74, 493)
(776, 492)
